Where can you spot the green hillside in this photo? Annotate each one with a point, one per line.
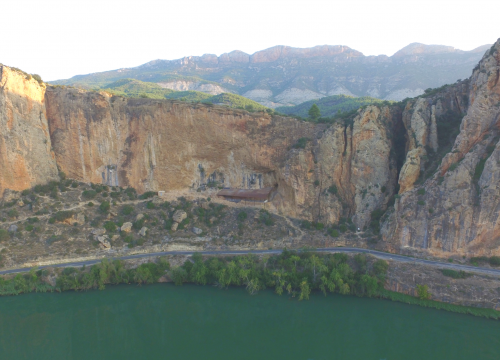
(330, 106)
(136, 88)
(236, 101)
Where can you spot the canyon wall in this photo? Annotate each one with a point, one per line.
(456, 208)
(166, 145)
(25, 148)
(425, 171)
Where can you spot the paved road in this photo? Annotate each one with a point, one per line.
(378, 254)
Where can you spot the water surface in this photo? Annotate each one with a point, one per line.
(193, 322)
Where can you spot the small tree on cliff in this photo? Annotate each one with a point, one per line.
(314, 112)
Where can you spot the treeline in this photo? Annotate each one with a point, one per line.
(296, 273)
(331, 106)
(95, 277)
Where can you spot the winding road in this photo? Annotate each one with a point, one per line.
(378, 254)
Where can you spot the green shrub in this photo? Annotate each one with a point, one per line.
(110, 226)
(90, 204)
(147, 195)
(423, 292)
(333, 233)
(150, 205)
(52, 220)
(62, 215)
(343, 228)
(105, 206)
(13, 213)
(453, 166)
(495, 261)
(375, 220)
(455, 274)
(39, 79)
(431, 210)
(74, 184)
(301, 143)
(319, 226)
(127, 210)
(266, 218)
(421, 203)
(89, 194)
(316, 182)
(242, 216)
(421, 191)
(333, 190)
(4, 235)
(305, 225)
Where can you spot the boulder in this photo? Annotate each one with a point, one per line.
(20, 203)
(174, 226)
(127, 227)
(196, 230)
(179, 215)
(98, 232)
(142, 232)
(13, 228)
(115, 237)
(104, 241)
(139, 217)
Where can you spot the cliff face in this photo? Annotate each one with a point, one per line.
(25, 155)
(166, 145)
(457, 208)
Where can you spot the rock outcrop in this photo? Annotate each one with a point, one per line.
(456, 209)
(25, 148)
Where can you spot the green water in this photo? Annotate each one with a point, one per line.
(194, 322)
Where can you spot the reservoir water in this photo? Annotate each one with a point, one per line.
(202, 322)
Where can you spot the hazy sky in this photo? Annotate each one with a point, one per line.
(62, 38)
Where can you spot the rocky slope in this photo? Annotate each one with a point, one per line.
(424, 171)
(283, 75)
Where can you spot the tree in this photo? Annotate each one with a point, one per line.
(105, 206)
(314, 112)
(305, 290)
(423, 292)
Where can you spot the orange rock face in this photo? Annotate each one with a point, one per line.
(25, 156)
(166, 145)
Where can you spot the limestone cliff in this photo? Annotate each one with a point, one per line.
(456, 209)
(166, 145)
(25, 149)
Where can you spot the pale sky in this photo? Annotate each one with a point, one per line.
(62, 38)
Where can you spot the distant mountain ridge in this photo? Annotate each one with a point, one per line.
(284, 76)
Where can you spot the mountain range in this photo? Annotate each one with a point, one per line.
(284, 76)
